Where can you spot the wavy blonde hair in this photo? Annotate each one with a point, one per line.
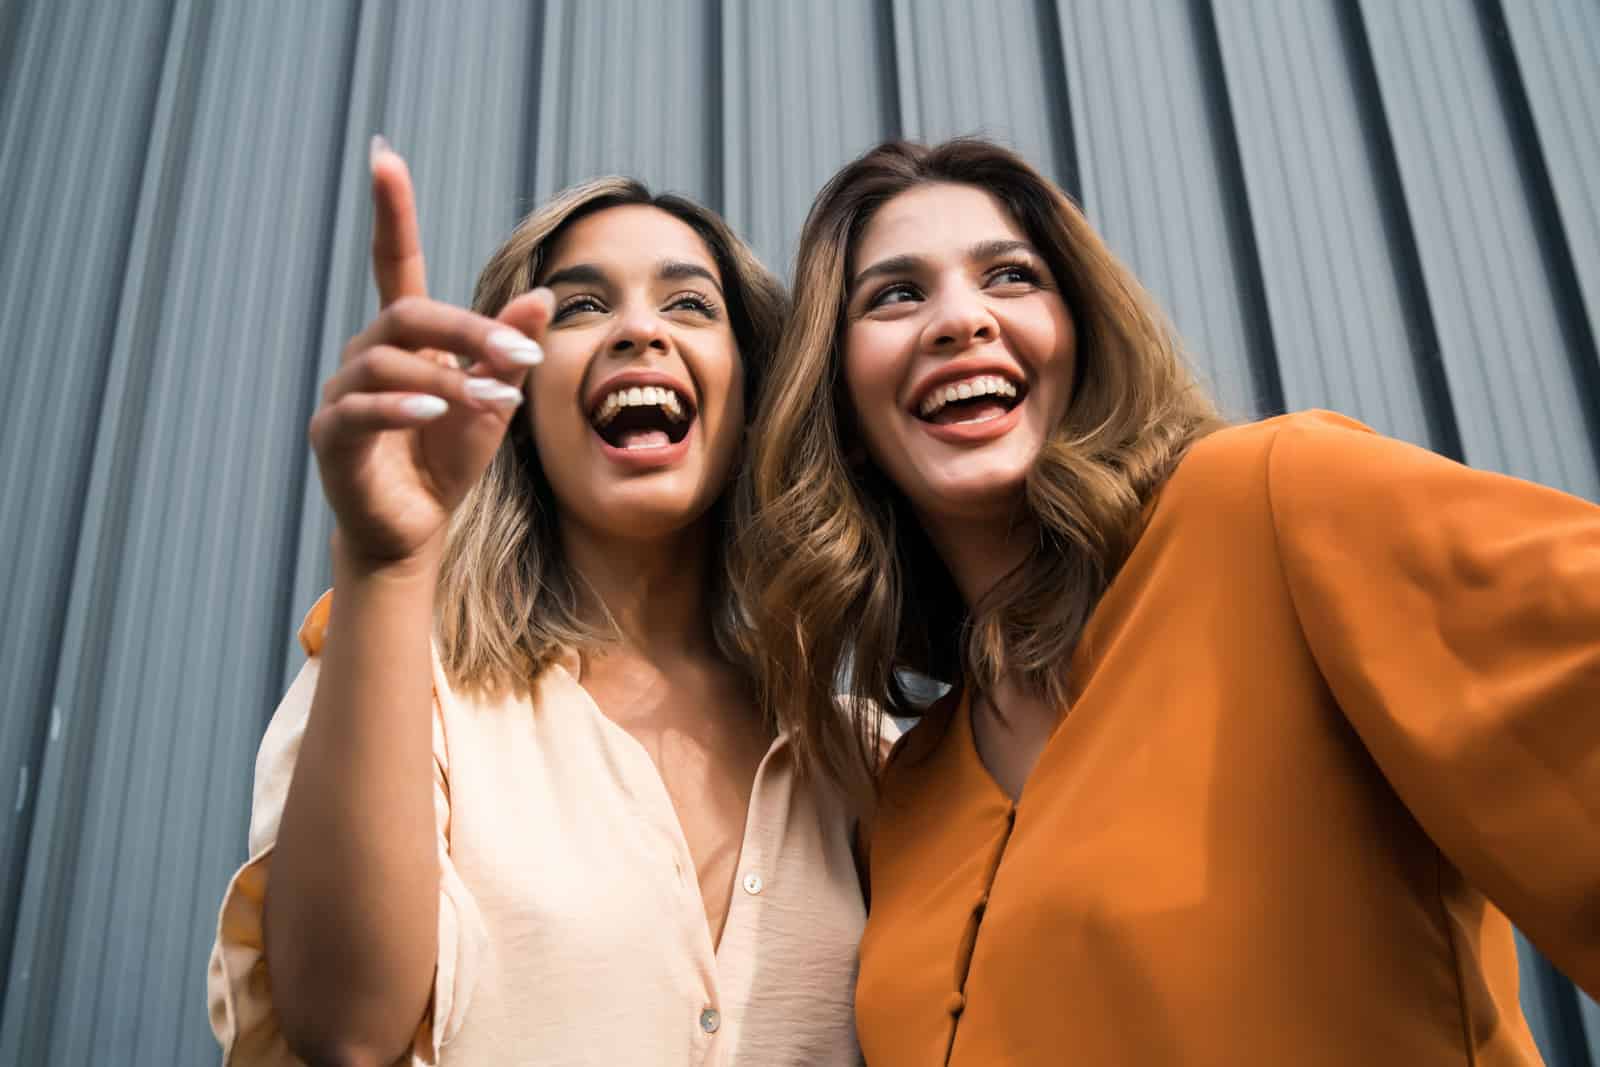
(507, 601)
(842, 584)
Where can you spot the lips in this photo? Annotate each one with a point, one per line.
(641, 412)
(968, 392)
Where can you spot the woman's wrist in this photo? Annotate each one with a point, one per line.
(416, 573)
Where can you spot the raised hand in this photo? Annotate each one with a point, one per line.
(403, 431)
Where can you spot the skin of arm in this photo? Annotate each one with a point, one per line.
(351, 916)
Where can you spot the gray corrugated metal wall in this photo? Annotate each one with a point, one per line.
(1383, 206)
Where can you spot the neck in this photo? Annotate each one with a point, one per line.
(980, 551)
(653, 590)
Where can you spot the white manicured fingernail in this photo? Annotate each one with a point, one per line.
(519, 348)
(424, 407)
(377, 147)
(493, 392)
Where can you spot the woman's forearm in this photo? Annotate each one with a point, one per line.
(351, 914)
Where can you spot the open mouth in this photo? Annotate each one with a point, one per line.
(980, 398)
(634, 418)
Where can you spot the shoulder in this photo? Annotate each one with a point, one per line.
(314, 627)
(1244, 450)
(1243, 467)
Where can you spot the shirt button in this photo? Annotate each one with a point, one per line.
(753, 884)
(711, 1020)
(955, 1004)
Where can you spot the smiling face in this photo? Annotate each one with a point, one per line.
(958, 350)
(638, 408)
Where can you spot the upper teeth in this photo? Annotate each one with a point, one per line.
(966, 389)
(637, 396)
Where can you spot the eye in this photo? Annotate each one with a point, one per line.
(577, 305)
(898, 293)
(692, 301)
(1014, 274)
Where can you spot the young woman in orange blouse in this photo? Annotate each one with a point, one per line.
(1258, 735)
(521, 805)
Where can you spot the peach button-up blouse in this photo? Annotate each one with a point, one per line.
(571, 926)
(1335, 720)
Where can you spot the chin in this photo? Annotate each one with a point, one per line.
(640, 511)
(981, 494)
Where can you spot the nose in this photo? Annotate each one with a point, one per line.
(638, 331)
(960, 320)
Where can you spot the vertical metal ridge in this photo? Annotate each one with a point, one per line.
(1240, 222)
(907, 97)
(892, 70)
(716, 190)
(1404, 253)
(1550, 235)
(733, 176)
(1059, 97)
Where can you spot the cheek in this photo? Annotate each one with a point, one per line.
(1064, 364)
(870, 375)
(550, 420)
(718, 374)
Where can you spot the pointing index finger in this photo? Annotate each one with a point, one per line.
(397, 263)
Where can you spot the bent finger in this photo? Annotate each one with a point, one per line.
(418, 323)
(385, 369)
(357, 417)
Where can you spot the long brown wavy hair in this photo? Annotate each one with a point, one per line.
(842, 584)
(508, 604)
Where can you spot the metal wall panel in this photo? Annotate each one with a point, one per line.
(1159, 162)
(631, 87)
(68, 225)
(1509, 359)
(777, 154)
(1555, 44)
(1383, 208)
(991, 69)
(1333, 238)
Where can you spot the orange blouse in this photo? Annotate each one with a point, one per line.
(1343, 695)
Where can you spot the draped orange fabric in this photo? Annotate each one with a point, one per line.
(1336, 718)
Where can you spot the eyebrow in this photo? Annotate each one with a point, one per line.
(667, 270)
(671, 270)
(906, 264)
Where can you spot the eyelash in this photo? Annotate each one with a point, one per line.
(701, 304)
(1030, 276)
(572, 305)
(575, 304)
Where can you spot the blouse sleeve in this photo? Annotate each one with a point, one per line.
(1455, 615)
(237, 984)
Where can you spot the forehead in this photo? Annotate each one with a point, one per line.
(933, 220)
(630, 235)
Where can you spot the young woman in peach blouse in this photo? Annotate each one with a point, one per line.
(1257, 735)
(521, 806)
